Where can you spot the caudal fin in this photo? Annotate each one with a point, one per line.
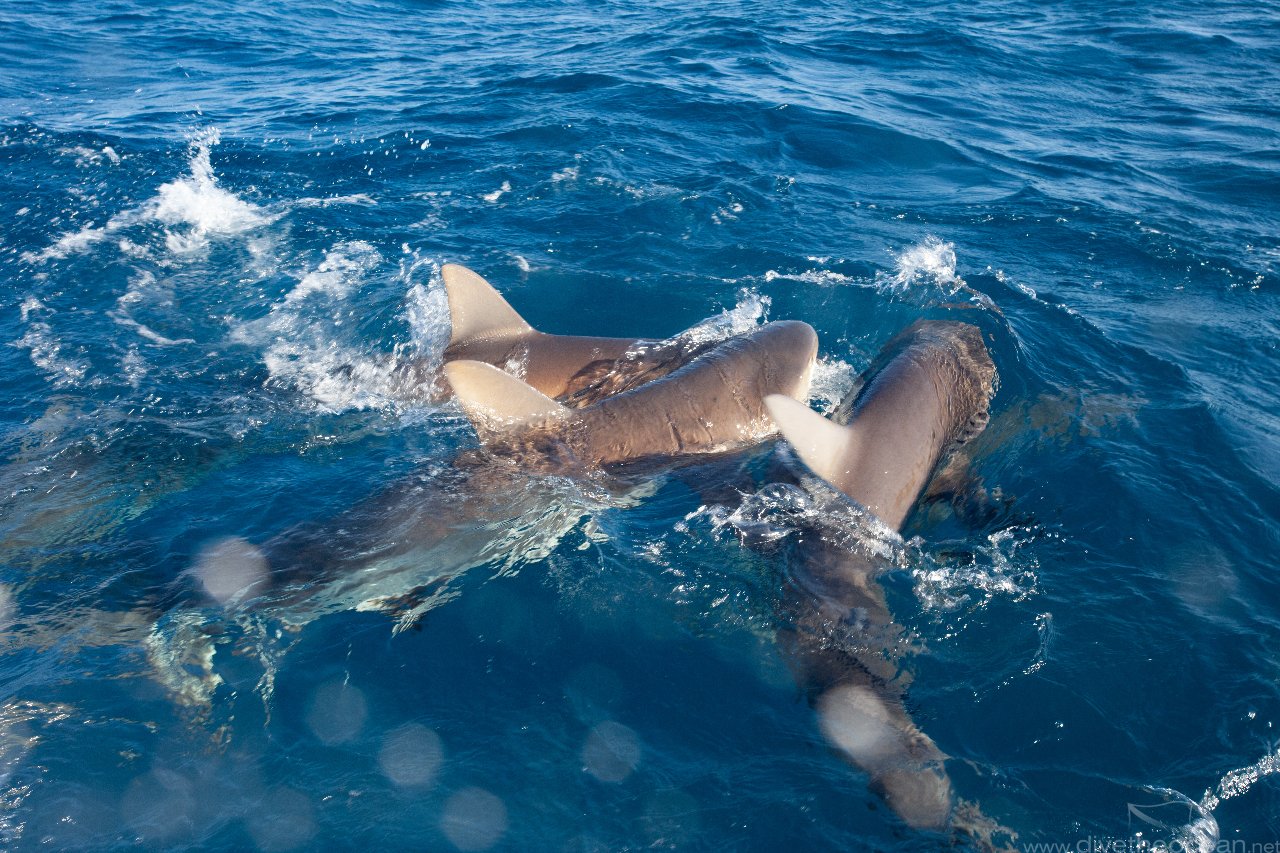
(497, 402)
(476, 310)
(822, 445)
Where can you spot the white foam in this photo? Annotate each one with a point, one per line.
(341, 269)
(751, 310)
(832, 380)
(820, 277)
(194, 201)
(929, 263)
(498, 193)
(359, 199)
(86, 157)
(46, 349)
(304, 344)
(198, 202)
(139, 285)
(1000, 568)
(427, 312)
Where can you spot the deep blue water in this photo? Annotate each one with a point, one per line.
(223, 226)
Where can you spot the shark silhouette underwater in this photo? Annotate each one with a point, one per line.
(927, 393)
(585, 426)
(584, 408)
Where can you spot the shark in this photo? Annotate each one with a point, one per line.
(926, 393)
(569, 426)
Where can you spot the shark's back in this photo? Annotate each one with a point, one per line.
(928, 392)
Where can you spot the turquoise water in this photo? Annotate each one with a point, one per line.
(223, 227)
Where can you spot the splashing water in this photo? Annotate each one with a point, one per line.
(1001, 568)
(195, 201)
(200, 204)
(930, 263)
(751, 310)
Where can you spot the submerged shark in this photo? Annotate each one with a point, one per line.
(926, 393)
(578, 426)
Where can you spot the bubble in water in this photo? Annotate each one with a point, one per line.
(474, 819)
(282, 820)
(229, 568)
(337, 712)
(411, 756)
(611, 752)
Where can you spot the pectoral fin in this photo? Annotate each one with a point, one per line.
(823, 446)
(497, 402)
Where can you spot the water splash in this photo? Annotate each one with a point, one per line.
(1238, 782)
(46, 350)
(192, 209)
(931, 263)
(1002, 567)
(197, 202)
(751, 310)
(832, 380)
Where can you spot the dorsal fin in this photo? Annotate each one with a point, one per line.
(476, 310)
(822, 445)
(497, 402)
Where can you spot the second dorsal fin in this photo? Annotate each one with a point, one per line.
(822, 445)
(476, 310)
(497, 402)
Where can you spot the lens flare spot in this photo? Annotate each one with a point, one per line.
(474, 819)
(230, 568)
(284, 820)
(337, 713)
(611, 752)
(411, 756)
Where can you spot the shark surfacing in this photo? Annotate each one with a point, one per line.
(928, 392)
(576, 370)
(711, 403)
(599, 404)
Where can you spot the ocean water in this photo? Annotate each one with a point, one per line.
(223, 226)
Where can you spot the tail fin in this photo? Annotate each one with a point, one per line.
(497, 402)
(476, 310)
(822, 445)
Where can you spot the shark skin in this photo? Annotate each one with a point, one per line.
(712, 403)
(576, 370)
(544, 467)
(927, 393)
